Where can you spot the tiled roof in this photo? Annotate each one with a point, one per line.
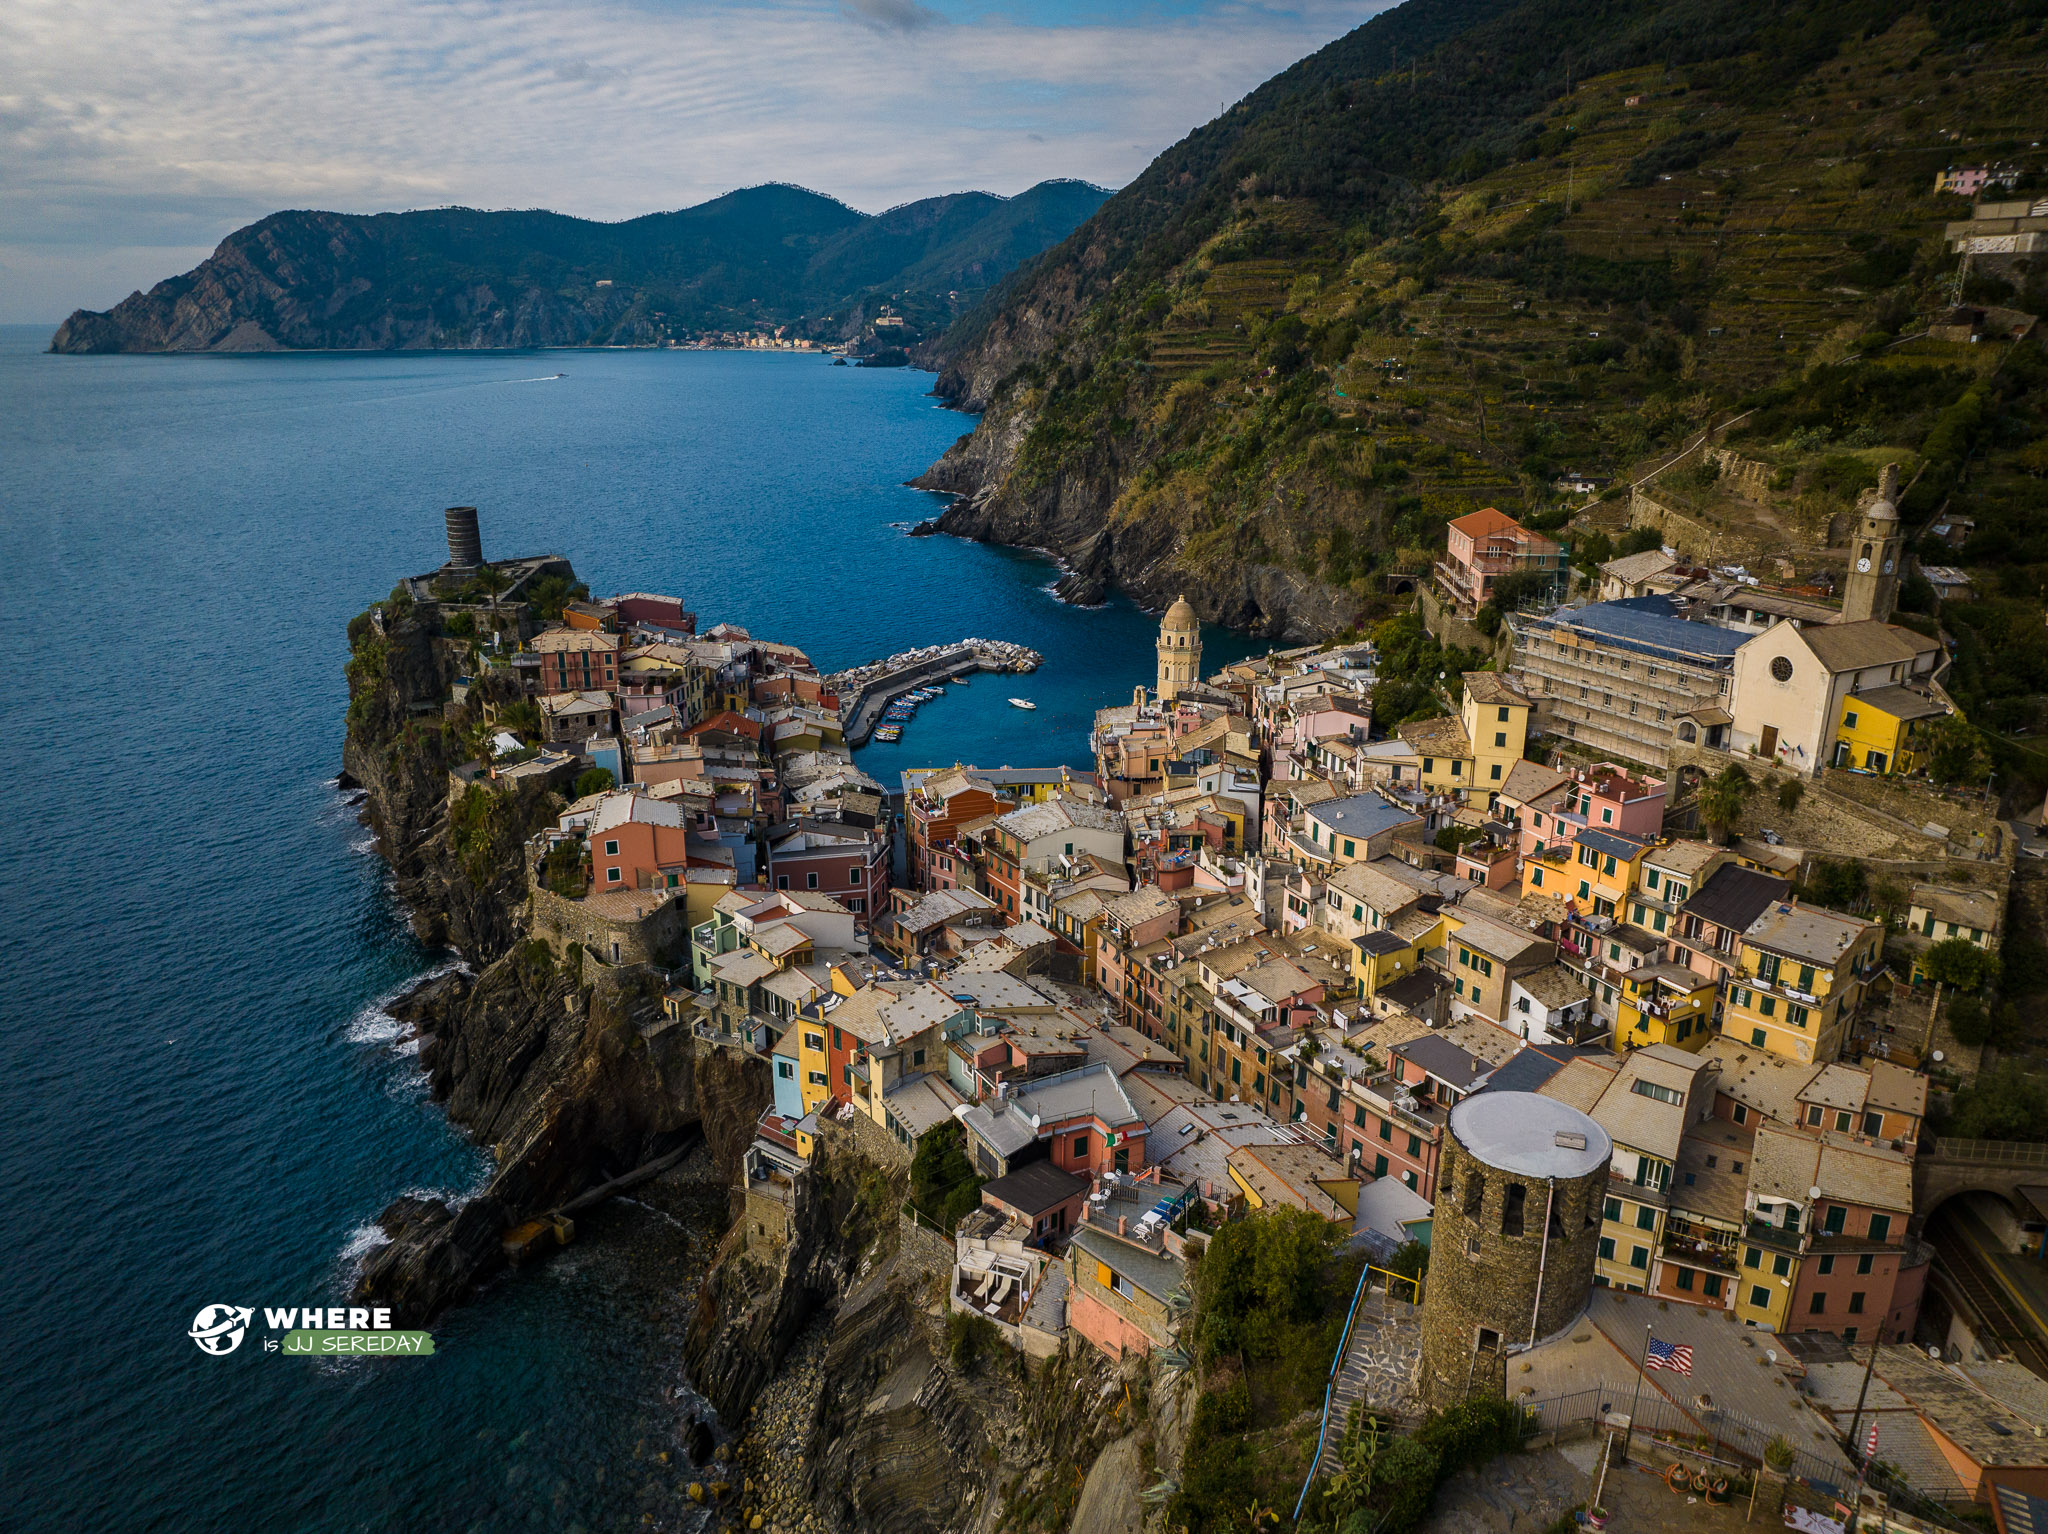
(1734, 896)
(1852, 646)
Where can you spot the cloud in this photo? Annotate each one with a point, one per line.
(128, 129)
(892, 15)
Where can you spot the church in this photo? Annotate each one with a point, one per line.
(1180, 650)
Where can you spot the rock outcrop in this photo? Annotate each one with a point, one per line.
(570, 1076)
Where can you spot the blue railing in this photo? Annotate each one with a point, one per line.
(1330, 1388)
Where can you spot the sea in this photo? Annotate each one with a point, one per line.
(204, 1100)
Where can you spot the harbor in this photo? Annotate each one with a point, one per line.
(877, 700)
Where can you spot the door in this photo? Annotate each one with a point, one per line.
(1767, 744)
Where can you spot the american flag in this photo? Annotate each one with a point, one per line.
(1675, 1356)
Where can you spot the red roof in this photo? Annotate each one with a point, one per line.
(1478, 524)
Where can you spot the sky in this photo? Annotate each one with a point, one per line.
(135, 134)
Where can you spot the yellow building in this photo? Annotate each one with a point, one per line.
(1937, 914)
(1879, 730)
(1604, 868)
(1663, 1004)
(1645, 1109)
(1481, 956)
(1799, 980)
(1442, 752)
(1496, 720)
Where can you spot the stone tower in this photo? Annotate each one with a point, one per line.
(1180, 650)
(1873, 587)
(1516, 1233)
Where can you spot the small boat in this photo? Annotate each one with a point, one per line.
(889, 734)
(1022, 703)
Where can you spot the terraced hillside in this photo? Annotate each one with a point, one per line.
(1269, 371)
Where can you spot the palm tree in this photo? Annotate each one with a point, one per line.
(1723, 798)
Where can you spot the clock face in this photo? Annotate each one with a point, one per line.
(1863, 565)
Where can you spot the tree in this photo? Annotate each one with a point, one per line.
(1723, 799)
(1594, 550)
(1790, 792)
(2005, 1103)
(593, 781)
(1958, 962)
(1839, 883)
(1639, 540)
(1954, 753)
(1888, 897)
(943, 1182)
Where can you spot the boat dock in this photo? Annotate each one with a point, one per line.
(867, 691)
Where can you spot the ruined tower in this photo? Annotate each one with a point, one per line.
(1873, 586)
(1180, 650)
(465, 542)
(1516, 1233)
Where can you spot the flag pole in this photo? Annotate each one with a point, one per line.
(1642, 1368)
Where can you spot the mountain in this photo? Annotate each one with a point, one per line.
(1476, 243)
(455, 277)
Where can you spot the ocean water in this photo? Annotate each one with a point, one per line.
(203, 1100)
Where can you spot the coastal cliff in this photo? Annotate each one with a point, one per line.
(571, 1075)
(859, 1403)
(1432, 269)
(457, 278)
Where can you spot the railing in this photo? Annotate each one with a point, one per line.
(1999, 1152)
(1773, 1236)
(1726, 1430)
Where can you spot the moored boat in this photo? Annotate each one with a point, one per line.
(1022, 703)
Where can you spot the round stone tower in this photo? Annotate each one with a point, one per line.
(1515, 1235)
(1180, 650)
(1872, 590)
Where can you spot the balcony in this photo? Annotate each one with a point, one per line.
(1776, 1237)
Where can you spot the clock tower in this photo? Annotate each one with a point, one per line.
(1874, 553)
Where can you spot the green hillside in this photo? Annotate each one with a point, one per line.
(764, 256)
(1371, 298)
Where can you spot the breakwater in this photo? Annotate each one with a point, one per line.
(866, 692)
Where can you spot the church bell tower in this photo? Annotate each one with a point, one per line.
(1875, 549)
(1180, 650)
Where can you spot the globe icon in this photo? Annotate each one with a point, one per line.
(218, 1329)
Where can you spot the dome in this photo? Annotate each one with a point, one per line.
(1180, 618)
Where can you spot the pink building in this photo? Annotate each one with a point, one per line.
(1602, 798)
(1486, 545)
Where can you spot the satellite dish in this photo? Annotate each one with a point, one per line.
(1935, 1354)
(1770, 1355)
(1814, 1191)
(1937, 1057)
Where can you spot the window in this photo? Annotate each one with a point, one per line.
(1856, 1303)
(1646, 1218)
(1350, 849)
(786, 1069)
(1819, 1306)
(1475, 1194)
(1873, 1124)
(814, 1041)
(1511, 1209)
(1080, 1146)
(1379, 1166)
(611, 849)
(1684, 1278)
(1712, 1287)
(1657, 1094)
(613, 876)
(1780, 1265)
(1414, 1145)
(1880, 1227)
(1842, 1119)
(1500, 738)
(917, 1057)
(1741, 1115)
(1827, 1263)
(853, 877)
(1837, 1218)
(1612, 1209)
(1849, 720)
(1863, 1264)
(1502, 716)
(1387, 1131)
(1639, 1257)
(1759, 1296)
(1607, 1248)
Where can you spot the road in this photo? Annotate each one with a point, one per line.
(1963, 1253)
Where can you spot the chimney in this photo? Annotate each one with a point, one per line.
(1120, 1224)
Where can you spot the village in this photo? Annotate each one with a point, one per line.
(1633, 970)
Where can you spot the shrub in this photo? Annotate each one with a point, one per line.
(1961, 963)
(594, 781)
(969, 1338)
(943, 1184)
(1789, 795)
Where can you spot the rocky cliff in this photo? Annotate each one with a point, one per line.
(571, 1076)
(857, 1405)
